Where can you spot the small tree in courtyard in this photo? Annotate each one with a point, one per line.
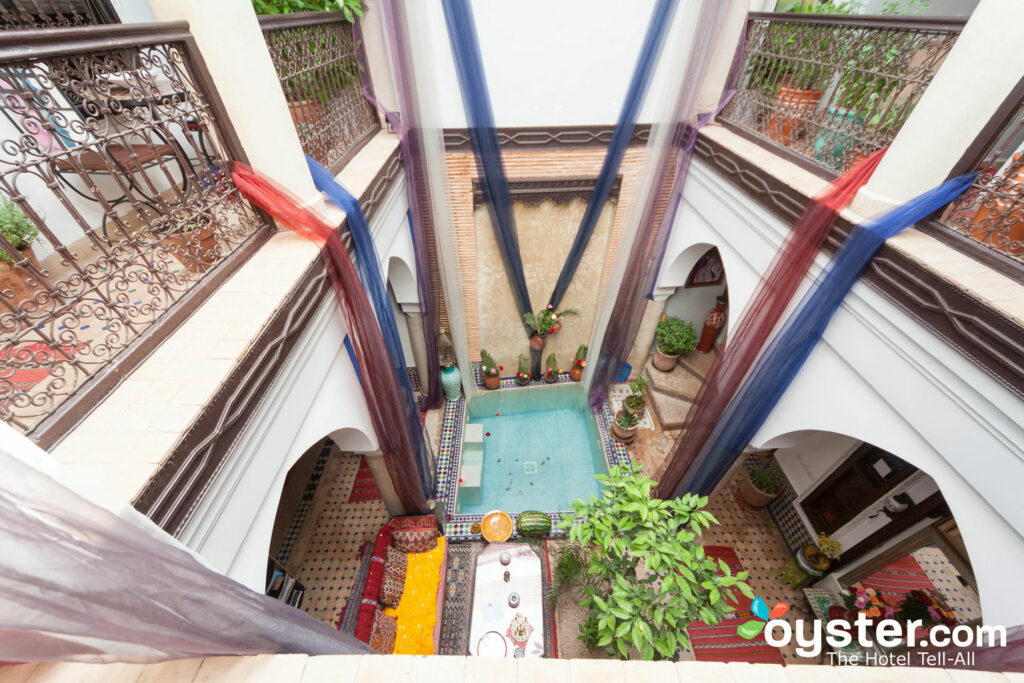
(652, 576)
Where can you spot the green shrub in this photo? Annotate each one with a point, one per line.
(488, 363)
(524, 365)
(764, 480)
(350, 8)
(552, 365)
(651, 576)
(581, 353)
(15, 226)
(675, 336)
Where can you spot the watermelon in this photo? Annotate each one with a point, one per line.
(533, 523)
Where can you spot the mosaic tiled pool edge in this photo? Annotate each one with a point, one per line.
(449, 457)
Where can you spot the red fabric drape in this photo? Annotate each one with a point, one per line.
(383, 395)
(773, 294)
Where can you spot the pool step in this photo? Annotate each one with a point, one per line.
(472, 464)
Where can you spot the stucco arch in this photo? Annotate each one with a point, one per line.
(403, 282)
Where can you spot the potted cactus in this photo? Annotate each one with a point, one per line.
(523, 371)
(578, 363)
(675, 338)
(636, 401)
(758, 489)
(19, 232)
(551, 375)
(491, 370)
(624, 425)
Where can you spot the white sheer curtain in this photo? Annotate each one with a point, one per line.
(81, 583)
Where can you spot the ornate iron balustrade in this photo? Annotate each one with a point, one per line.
(112, 150)
(991, 213)
(832, 89)
(315, 57)
(53, 13)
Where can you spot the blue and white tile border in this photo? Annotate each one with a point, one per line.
(450, 454)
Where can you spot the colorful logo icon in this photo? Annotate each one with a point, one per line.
(750, 629)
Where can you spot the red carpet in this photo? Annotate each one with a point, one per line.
(721, 642)
(364, 487)
(898, 579)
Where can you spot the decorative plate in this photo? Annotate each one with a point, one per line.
(519, 630)
(492, 644)
(496, 526)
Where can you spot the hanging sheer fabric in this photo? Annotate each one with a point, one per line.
(80, 583)
(770, 299)
(397, 433)
(483, 134)
(649, 227)
(621, 135)
(368, 267)
(426, 170)
(422, 225)
(800, 333)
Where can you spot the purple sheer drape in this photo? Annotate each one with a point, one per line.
(79, 583)
(658, 213)
(383, 395)
(423, 234)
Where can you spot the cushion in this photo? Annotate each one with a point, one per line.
(394, 577)
(385, 630)
(414, 534)
(371, 590)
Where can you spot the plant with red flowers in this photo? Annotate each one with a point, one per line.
(866, 600)
(544, 323)
(523, 372)
(927, 607)
(551, 376)
(491, 370)
(579, 362)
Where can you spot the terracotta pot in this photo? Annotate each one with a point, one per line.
(15, 278)
(523, 380)
(304, 111)
(552, 378)
(537, 342)
(194, 249)
(492, 381)
(792, 105)
(713, 324)
(664, 361)
(620, 434)
(576, 372)
(753, 498)
(555, 328)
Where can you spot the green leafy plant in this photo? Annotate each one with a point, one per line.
(638, 386)
(675, 336)
(523, 368)
(350, 8)
(764, 480)
(488, 365)
(651, 577)
(552, 366)
(581, 355)
(545, 321)
(15, 227)
(627, 419)
(570, 571)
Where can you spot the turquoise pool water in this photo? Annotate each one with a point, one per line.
(543, 451)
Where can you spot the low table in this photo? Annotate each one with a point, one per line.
(492, 618)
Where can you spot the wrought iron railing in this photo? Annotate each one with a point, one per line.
(991, 212)
(834, 88)
(53, 13)
(314, 54)
(117, 212)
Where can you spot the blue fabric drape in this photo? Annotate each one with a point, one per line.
(483, 134)
(368, 268)
(786, 354)
(642, 72)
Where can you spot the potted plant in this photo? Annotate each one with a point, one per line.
(624, 425)
(551, 376)
(675, 337)
(758, 489)
(544, 323)
(523, 372)
(579, 362)
(636, 402)
(20, 232)
(491, 370)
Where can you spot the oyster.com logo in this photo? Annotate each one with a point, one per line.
(750, 629)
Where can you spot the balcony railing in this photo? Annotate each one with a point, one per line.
(832, 89)
(991, 213)
(118, 212)
(315, 57)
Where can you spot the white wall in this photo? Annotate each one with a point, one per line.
(878, 376)
(565, 63)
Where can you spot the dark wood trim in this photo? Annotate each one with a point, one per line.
(1000, 119)
(46, 43)
(174, 493)
(775, 148)
(276, 22)
(992, 341)
(932, 506)
(880, 21)
(555, 189)
(566, 137)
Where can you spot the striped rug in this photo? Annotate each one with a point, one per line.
(721, 642)
(364, 487)
(898, 579)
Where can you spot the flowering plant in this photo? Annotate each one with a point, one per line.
(828, 546)
(926, 606)
(547, 321)
(866, 600)
(488, 365)
(580, 359)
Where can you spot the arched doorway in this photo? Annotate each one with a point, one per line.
(331, 507)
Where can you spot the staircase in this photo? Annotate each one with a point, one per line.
(672, 393)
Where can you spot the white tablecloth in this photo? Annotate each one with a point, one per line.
(490, 597)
